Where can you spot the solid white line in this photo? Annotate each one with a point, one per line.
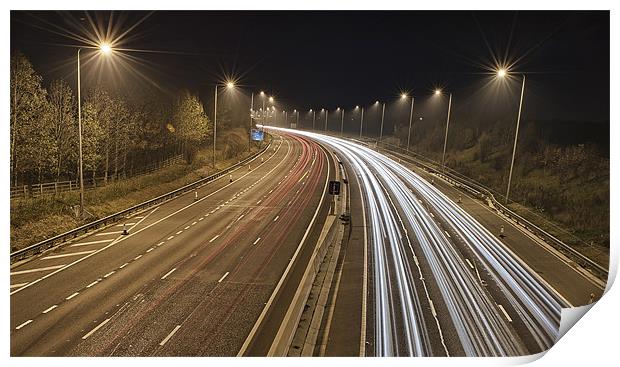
(137, 257)
(71, 296)
(169, 335)
(91, 243)
(18, 285)
(168, 273)
(505, 313)
(214, 238)
(95, 329)
(169, 238)
(51, 308)
(126, 224)
(108, 233)
(151, 249)
(276, 218)
(108, 274)
(93, 283)
(67, 255)
(432, 308)
(37, 269)
(223, 276)
(122, 266)
(255, 242)
(23, 324)
(241, 216)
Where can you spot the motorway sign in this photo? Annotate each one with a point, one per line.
(334, 187)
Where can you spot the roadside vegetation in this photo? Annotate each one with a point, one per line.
(122, 132)
(560, 179)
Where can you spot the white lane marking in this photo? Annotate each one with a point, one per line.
(161, 243)
(67, 255)
(276, 218)
(73, 295)
(95, 329)
(255, 242)
(258, 202)
(201, 218)
(125, 224)
(194, 223)
(137, 257)
(23, 324)
(470, 265)
(37, 269)
(179, 232)
(122, 238)
(433, 308)
(270, 191)
(168, 273)
(122, 266)
(505, 313)
(447, 234)
(18, 285)
(169, 335)
(108, 233)
(241, 216)
(151, 249)
(138, 217)
(223, 276)
(92, 242)
(214, 238)
(51, 308)
(186, 228)
(431, 214)
(108, 274)
(93, 283)
(169, 238)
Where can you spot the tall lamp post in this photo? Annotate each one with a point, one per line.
(229, 85)
(341, 122)
(382, 115)
(445, 140)
(313, 117)
(362, 122)
(502, 73)
(326, 116)
(404, 95)
(105, 49)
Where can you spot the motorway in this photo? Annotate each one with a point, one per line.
(192, 276)
(419, 273)
(436, 281)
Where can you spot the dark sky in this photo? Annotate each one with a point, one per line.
(328, 59)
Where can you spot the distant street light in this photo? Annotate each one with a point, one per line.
(503, 73)
(229, 85)
(410, 120)
(326, 116)
(105, 49)
(313, 118)
(361, 122)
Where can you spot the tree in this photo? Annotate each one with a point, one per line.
(29, 134)
(63, 124)
(96, 117)
(191, 124)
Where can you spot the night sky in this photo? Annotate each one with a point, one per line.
(329, 59)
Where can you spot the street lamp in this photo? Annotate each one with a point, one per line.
(105, 49)
(229, 85)
(445, 140)
(341, 122)
(503, 73)
(361, 121)
(382, 115)
(404, 95)
(313, 117)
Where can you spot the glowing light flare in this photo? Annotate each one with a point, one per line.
(105, 48)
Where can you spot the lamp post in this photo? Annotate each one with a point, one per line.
(313, 117)
(342, 122)
(445, 140)
(382, 115)
(326, 116)
(361, 122)
(250, 129)
(410, 122)
(502, 73)
(229, 85)
(105, 49)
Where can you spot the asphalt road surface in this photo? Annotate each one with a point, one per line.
(192, 276)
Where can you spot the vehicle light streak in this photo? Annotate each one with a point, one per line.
(399, 202)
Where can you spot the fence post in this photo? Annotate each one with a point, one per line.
(56, 187)
(25, 191)
(41, 189)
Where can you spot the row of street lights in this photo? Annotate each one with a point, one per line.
(501, 73)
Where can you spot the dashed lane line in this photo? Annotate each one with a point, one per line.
(95, 329)
(23, 324)
(223, 277)
(50, 308)
(72, 296)
(214, 238)
(168, 273)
